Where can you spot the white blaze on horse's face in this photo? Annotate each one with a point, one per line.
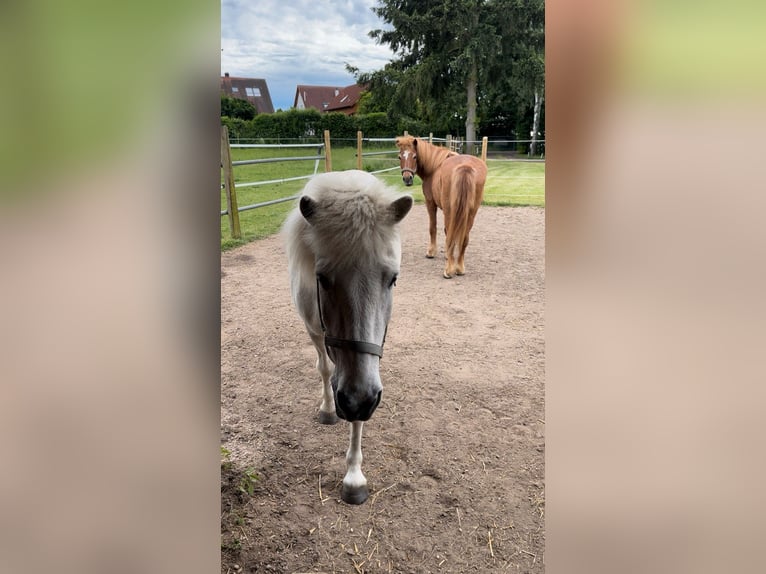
(408, 162)
(356, 305)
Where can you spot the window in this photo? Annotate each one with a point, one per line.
(234, 89)
(253, 92)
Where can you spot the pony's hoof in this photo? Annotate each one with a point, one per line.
(459, 272)
(328, 418)
(429, 256)
(446, 276)
(354, 495)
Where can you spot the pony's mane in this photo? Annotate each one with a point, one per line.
(430, 156)
(353, 221)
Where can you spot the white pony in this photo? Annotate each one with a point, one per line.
(343, 251)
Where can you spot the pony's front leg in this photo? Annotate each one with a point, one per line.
(325, 367)
(354, 489)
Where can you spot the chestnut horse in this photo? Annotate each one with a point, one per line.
(452, 182)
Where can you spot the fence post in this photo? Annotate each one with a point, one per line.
(431, 137)
(484, 141)
(228, 182)
(327, 152)
(449, 142)
(406, 133)
(359, 149)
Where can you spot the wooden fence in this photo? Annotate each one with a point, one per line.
(324, 152)
(232, 209)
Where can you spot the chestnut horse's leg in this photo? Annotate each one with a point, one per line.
(449, 247)
(460, 268)
(325, 367)
(450, 268)
(431, 207)
(449, 252)
(354, 489)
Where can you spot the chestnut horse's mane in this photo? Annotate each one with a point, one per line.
(430, 156)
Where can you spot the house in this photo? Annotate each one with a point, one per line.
(328, 98)
(347, 101)
(253, 90)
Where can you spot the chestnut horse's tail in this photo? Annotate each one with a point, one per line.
(462, 199)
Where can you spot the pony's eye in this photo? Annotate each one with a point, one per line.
(323, 281)
(393, 281)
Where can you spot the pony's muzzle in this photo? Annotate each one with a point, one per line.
(407, 178)
(352, 408)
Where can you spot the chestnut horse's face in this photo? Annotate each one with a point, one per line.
(408, 160)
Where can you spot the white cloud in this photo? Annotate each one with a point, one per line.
(299, 42)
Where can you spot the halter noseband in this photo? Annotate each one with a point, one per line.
(350, 344)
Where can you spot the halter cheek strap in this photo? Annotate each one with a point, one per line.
(350, 344)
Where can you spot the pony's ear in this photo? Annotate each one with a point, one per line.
(400, 207)
(415, 143)
(308, 207)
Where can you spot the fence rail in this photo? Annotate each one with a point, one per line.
(238, 145)
(275, 181)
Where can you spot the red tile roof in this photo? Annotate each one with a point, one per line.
(328, 98)
(253, 90)
(347, 99)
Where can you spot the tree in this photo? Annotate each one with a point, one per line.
(385, 90)
(236, 108)
(521, 71)
(457, 58)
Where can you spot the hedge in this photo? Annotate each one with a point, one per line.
(310, 124)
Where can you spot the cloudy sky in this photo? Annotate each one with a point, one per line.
(291, 42)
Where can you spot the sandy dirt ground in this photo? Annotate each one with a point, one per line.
(454, 454)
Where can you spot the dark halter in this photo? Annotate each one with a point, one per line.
(356, 346)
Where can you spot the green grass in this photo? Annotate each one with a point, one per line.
(515, 183)
(508, 183)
